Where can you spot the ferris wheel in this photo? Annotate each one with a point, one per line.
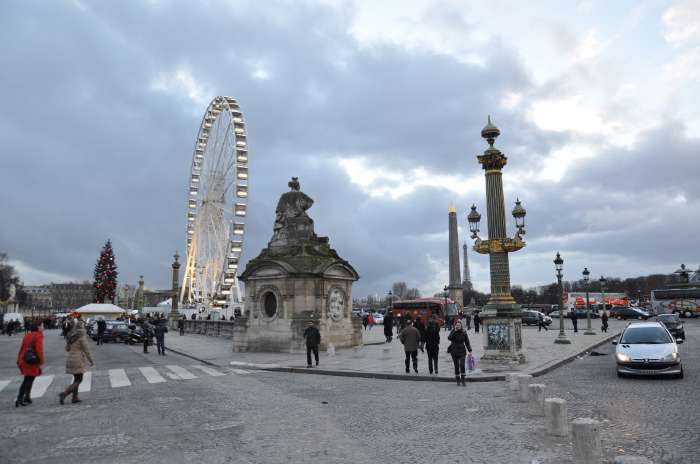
(216, 208)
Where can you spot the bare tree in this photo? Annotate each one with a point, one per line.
(399, 289)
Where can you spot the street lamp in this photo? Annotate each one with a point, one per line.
(559, 265)
(444, 294)
(602, 291)
(504, 343)
(586, 278)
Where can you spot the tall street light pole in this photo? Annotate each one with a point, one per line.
(559, 266)
(502, 317)
(586, 278)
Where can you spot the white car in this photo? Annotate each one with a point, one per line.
(378, 318)
(647, 348)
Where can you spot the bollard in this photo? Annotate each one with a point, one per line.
(555, 412)
(523, 385)
(513, 381)
(536, 405)
(587, 446)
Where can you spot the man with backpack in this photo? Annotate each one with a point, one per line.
(160, 330)
(101, 328)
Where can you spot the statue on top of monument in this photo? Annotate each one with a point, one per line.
(291, 208)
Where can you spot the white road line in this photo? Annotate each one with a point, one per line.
(238, 371)
(181, 372)
(41, 384)
(172, 376)
(3, 384)
(152, 375)
(86, 384)
(118, 378)
(208, 370)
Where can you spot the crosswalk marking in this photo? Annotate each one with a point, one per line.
(208, 370)
(41, 384)
(152, 375)
(3, 384)
(238, 371)
(118, 378)
(181, 372)
(86, 384)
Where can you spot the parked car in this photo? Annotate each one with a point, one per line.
(554, 313)
(673, 324)
(647, 348)
(630, 313)
(378, 318)
(531, 317)
(116, 331)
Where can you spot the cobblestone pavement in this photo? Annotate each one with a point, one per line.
(383, 358)
(271, 417)
(658, 418)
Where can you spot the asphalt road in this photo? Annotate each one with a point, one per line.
(146, 408)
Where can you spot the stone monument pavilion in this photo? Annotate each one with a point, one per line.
(297, 278)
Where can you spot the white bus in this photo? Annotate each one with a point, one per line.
(683, 301)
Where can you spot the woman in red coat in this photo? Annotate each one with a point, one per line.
(33, 340)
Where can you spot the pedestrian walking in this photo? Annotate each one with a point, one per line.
(410, 337)
(365, 321)
(181, 325)
(388, 326)
(147, 331)
(432, 344)
(477, 322)
(101, 327)
(401, 324)
(540, 323)
(29, 361)
(468, 319)
(574, 319)
(421, 329)
(370, 320)
(160, 330)
(604, 320)
(313, 339)
(78, 352)
(9, 328)
(458, 350)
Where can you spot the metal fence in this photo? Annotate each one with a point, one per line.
(211, 328)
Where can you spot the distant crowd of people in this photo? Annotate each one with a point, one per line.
(12, 326)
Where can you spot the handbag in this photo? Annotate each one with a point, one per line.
(30, 356)
(471, 362)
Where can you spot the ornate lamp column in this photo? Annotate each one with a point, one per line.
(589, 329)
(174, 313)
(559, 266)
(501, 316)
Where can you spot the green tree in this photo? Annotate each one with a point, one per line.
(105, 283)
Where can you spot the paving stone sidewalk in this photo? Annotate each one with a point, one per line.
(377, 359)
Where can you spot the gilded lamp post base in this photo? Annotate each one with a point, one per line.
(502, 339)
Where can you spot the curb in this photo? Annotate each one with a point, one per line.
(558, 363)
(537, 372)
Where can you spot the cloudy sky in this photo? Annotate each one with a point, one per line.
(377, 108)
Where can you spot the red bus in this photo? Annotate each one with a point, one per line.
(426, 307)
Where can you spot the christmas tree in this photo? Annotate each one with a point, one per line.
(105, 275)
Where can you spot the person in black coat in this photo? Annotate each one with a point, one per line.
(160, 330)
(458, 349)
(432, 344)
(418, 324)
(388, 326)
(181, 325)
(604, 320)
(477, 322)
(313, 339)
(574, 319)
(101, 328)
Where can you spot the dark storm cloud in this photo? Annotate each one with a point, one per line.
(94, 148)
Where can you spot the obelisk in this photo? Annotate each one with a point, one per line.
(455, 286)
(467, 282)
